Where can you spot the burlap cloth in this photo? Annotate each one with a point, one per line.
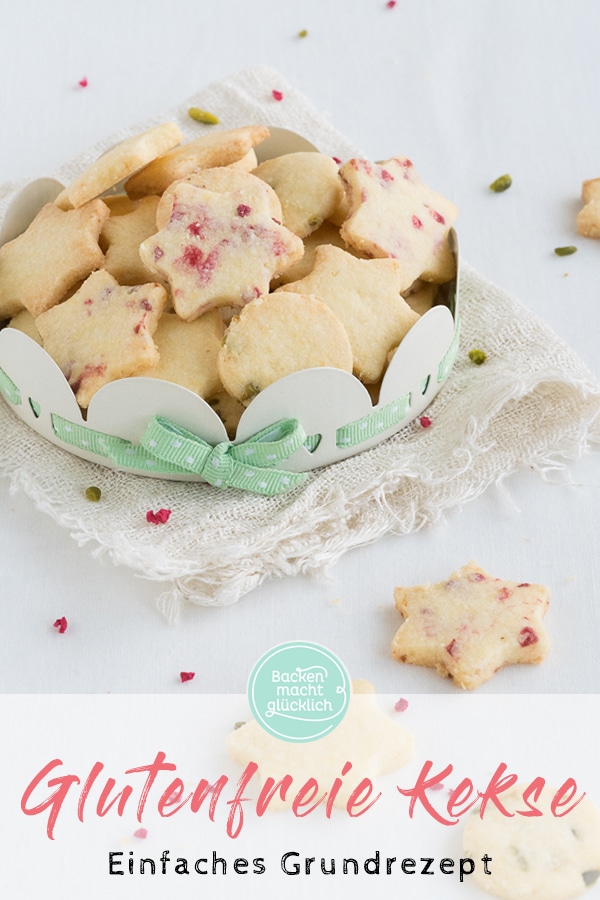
(533, 403)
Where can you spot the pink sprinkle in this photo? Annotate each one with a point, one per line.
(527, 636)
(524, 584)
(337, 160)
(61, 625)
(83, 82)
(425, 422)
(452, 649)
(401, 704)
(417, 222)
(504, 594)
(186, 676)
(141, 833)
(159, 517)
(277, 95)
(243, 210)
(390, 4)
(438, 217)
(438, 786)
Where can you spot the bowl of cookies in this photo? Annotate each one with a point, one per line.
(237, 309)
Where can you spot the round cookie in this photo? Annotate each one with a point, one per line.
(276, 335)
(535, 857)
(308, 186)
(220, 148)
(118, 163)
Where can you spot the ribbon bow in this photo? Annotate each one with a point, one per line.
(166, 447)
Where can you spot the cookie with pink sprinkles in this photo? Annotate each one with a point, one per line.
(103, 332)
(470, 625)
(393, 213)
(219, 249)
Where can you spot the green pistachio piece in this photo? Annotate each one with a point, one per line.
(201, 115)
(565, 251)
(501, 184)
(478, 357)
(93, 494)
(250, 391)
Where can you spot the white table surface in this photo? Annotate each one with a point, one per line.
(469, 89)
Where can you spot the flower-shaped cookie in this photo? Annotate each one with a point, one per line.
(471, 625)
(219, 249)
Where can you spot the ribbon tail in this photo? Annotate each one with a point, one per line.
(268, 482)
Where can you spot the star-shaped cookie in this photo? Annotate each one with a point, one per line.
(365, 296)
(103, 332)
(219, 249)
(121, 238)
(471, 625)
(372, 742)
(58, 249)
(393, 213)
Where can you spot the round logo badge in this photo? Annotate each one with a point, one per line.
(299, 691)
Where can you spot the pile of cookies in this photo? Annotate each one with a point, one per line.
(191, 262)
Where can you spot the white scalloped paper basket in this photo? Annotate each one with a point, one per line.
(333, 407)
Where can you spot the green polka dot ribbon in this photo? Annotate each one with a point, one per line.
(168, 448)
(9, 389)
(450, 354)
(248, 465)
(376, 422)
